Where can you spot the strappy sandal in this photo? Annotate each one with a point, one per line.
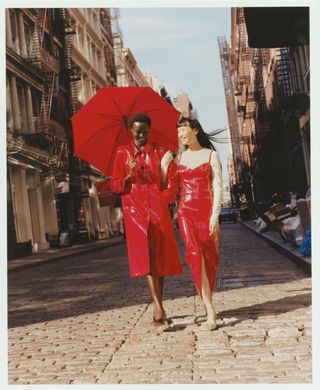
(162, 321)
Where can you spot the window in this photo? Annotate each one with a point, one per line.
(22, 106)
(46, 44)
(14, 31)
(81, 39)
(36, 102)
(9, 106)
(55, 14)
(96, 24)
(28, 35)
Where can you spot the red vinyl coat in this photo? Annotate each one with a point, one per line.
(145, 210)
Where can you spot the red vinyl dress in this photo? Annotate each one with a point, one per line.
(145, 210)
(194, 211)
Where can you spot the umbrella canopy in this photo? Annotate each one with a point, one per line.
(100, 126)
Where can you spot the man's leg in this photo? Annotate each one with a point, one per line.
(154, 288)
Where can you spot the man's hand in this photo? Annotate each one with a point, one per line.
(128, 180)
(132, 165)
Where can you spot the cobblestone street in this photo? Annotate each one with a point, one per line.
(83, 320)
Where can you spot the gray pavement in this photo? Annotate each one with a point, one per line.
(55, 254)
(83, 320)
(290, 250)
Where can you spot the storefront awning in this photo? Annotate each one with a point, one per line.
(277, 26)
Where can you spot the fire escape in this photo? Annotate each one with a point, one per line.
(73, 74)
(225, 58)
(47, 66)
(262, 115)
(284, 72)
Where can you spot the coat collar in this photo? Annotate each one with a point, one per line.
(144, 149)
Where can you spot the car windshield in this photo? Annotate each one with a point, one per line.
(225, 209)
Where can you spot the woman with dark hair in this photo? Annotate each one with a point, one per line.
(200, 182)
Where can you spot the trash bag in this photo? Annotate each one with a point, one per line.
(305, 248)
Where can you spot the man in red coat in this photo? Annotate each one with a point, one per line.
(152, 248)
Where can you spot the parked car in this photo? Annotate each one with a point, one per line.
(228, 214)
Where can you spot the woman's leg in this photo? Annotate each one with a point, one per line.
(207, 298)
(155, 285)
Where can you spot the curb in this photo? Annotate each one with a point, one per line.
(62, 256)
(300, 261)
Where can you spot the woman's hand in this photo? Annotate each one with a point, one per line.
(166, 160)
(214, 225)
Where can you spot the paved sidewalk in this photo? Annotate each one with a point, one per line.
(54, 254)
(284, 247)
(88, 322)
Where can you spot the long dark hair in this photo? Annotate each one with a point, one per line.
(202, 137)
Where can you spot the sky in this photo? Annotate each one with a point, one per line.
(179, 46)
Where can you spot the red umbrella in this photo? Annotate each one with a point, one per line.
(99, 127)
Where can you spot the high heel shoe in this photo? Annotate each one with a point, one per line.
(162, 321)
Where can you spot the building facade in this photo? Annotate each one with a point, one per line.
(271, 133)
(36, 139)
(56, 60)
(91, 66)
